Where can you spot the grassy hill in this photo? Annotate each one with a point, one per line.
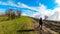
(25, 25)
(12, 26)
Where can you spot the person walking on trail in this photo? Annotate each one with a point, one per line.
(41, 23)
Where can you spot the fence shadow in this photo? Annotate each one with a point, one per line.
(26, 30)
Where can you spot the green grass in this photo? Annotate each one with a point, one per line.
(3, 18)
(12, 26)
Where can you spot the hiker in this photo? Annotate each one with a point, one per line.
(40, 22)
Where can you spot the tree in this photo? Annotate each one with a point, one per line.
(10, 13)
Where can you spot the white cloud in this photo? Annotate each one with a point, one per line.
(57, 9)
(56, 12)
(8, 3)
(58, 2)
(52, 14)
(56, 15)
(42, 11)
(3, 3)
(25, 6)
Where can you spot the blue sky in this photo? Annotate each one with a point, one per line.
(49, 3)
(32, 3)
(33, 8)
(22, 5)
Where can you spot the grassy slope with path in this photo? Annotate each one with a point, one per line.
(12, 26)
(24, 23)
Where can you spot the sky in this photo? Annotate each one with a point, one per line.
(27, 7)
(50, 8)
(34, 8)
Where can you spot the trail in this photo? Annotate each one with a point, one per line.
(45, 29)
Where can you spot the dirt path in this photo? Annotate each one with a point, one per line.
(44, 30)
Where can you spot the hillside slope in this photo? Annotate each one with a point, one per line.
(26, 25)
(13, 26)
